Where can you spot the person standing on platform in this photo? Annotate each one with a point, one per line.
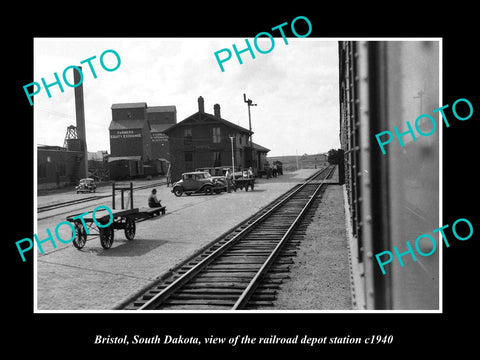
(228, 177)
(169, 176)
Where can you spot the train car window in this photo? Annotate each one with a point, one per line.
(413, 89)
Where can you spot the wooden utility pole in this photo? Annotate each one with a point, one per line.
(249, 103)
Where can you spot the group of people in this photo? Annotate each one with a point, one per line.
(229, 176)
(273, 171)
(245, 173)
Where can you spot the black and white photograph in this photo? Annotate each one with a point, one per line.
(222, 202)
(236, 190)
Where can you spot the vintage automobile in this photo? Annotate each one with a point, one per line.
(86, 185)
(197, 182)
(218, 173)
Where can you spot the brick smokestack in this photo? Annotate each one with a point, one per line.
(201, 105)
(80, 116)
(216, 110)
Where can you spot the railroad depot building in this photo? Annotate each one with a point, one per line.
(203, 140)
(138, 145)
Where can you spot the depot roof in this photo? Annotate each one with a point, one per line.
(259, 147)
(192, 118)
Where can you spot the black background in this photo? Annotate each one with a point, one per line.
(65, 335)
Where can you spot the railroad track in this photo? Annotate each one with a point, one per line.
(69, 203)
(246, 267)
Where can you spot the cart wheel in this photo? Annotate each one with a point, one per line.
(130, 229)
(106, 237)
(80, 236)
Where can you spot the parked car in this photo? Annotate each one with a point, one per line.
(218, 173)
(86, 185)
(197, 182)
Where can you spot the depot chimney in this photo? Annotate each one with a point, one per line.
(216, 110)
(201, 106)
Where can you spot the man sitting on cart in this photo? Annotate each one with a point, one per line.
(153, 202)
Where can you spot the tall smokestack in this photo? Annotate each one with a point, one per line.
(201, 106)
(80, 116)
(216, 110)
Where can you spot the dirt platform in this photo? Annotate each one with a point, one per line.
(320, 277)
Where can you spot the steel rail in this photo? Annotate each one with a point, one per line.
(191, 273)
(67, 203)
(250, 289)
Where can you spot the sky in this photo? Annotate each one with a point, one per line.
(295, 87)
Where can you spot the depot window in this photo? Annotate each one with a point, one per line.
(187, 135)
(216, 135)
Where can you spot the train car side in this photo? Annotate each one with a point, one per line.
(395, 197)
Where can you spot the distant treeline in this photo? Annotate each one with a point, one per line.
(305, 161)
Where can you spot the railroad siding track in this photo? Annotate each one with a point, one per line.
(44, 208)
(246, 268)
(59, 205)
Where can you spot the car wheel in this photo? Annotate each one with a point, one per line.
(177, 191)
(208, 190)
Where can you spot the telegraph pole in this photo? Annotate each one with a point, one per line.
(249, 103)
(233, 158)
